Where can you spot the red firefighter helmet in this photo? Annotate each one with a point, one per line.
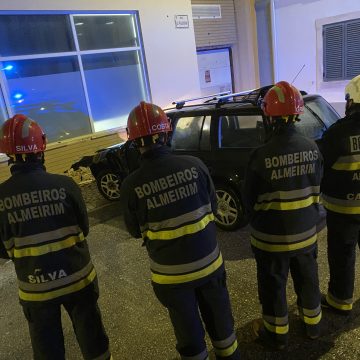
(283, 99)
(21, 135)
(145, 120)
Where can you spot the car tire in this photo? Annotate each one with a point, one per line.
(230, 214)
(108, 183)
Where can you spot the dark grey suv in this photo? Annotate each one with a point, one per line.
(222, 132)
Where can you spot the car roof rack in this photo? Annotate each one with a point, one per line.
(252, 96)
(180, 104)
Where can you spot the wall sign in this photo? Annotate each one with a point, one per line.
(181, 21)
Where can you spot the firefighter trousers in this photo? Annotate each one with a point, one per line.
(46, 330)
(187, 305)
(272, 274)
(343, 236)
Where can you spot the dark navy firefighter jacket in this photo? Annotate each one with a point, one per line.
(170, 202)
(340, 146)
(43, 224)
(281, 192)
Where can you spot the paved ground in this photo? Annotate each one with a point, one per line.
(138, 326)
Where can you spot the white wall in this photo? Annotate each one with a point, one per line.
(170, 52)
(299, 43)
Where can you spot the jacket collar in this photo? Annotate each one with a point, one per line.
(156, 153)
(18, 167)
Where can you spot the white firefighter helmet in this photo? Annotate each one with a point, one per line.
(352, 90)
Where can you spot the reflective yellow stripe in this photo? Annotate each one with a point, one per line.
(289, 195)
(228, 351)
(187, 267)
(181, 231)
(277, 329)
(341, 209)
(288, 205)
(308, 312)
(312, 320)
(60, 292)
(48, 248)
(180, 220)
(346, 166)
(56, 284)
(283, 320)
(286, 247)
(10, 253)
(336, 305)
(179, 279)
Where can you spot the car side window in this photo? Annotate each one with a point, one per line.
(186, 135)
(237, 131)
(309, 125)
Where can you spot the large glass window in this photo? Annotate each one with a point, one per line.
(106, 31)
(74, 74)
(115, 84)
(35, 34)
(50, 91)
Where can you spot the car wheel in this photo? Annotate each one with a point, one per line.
(230, 214)
(108, 184)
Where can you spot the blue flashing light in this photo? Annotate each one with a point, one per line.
(8, 67)
(18, 96)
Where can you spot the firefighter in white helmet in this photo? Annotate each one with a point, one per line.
(340, 147)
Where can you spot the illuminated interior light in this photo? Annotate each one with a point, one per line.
(42, 108)
(67, 133)
(20, 101)
(79, 24)
(18, 96)
(110, 23)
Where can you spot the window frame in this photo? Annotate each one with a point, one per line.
(342, 27)
(78, 53)
(335, 85)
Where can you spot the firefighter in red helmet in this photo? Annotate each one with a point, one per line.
(281, 192)
(43, 225)
(170, 202)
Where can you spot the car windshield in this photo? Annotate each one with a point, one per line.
(324, 110)
(318, 116)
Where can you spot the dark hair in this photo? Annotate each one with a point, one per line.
(27, 158)
(351, 109)
(151, 140)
